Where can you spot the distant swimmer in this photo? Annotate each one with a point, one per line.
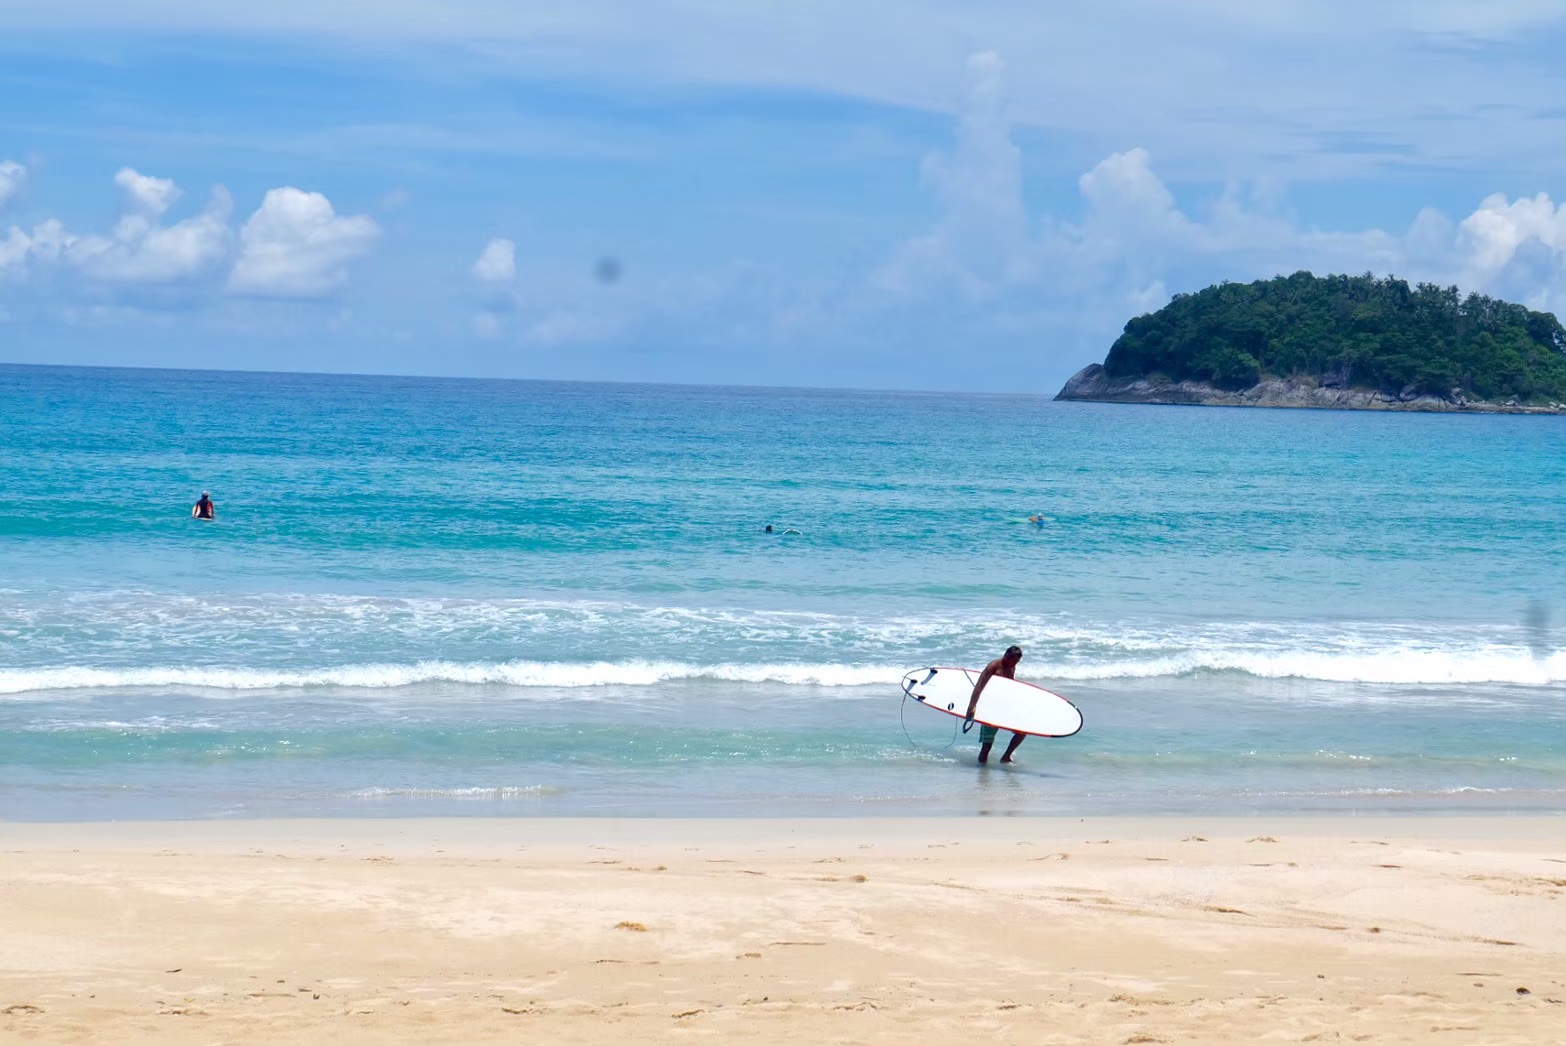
(1006, 667)
(770, 529)
(204, 509)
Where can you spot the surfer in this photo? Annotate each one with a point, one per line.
(204, 509)
(1006, 667)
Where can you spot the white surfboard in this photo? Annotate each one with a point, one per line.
(1009, 704)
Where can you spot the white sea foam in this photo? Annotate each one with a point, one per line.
(491, 792)
(564, 675)
(1393, 666)
(1412, 666)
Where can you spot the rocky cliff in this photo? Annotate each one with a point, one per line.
(1094, 384)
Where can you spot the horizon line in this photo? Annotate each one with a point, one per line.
(4, 365)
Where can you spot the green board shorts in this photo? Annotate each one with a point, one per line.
(987, 733)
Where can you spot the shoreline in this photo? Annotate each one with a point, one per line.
(1092, 384)
(483, 833)
(1066, 930)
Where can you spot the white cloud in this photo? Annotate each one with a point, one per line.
(296, 246)
(141, 251)
(1133, 242)
(496, 273)
(1492, 235)
(48, 240)
(12, 177)
(145, 194)
(14, 249)
(1148, 299)
(1125, 198)
(293, 246)
(979, 240)
(497, 263)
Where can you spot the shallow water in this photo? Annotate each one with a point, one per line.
(438, 596)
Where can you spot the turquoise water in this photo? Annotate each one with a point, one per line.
(477, 597)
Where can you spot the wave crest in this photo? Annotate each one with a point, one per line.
(1503, 666)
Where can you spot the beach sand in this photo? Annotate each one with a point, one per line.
(1110, 930)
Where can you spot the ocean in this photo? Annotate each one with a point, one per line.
(461, 597)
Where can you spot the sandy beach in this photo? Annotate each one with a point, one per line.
(1112, 930)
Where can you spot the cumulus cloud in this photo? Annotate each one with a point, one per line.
(1132, 242)
(495, 271)
(978, 243)
(497, 263)
(145, 194)
(141, 250)
(46, 243)
(293, 246)
(12, 177)
(1517, 246)
(296, 246)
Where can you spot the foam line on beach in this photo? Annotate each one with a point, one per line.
(1501, 666)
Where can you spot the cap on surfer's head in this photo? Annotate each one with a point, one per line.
(205, 494)
(1013, 653)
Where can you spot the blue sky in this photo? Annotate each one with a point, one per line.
(894, 194)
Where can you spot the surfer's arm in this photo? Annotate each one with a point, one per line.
(978, 688)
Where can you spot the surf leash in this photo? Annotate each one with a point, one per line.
(901, 709)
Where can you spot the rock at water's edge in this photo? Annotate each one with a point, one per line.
(1092, 383)
(1087, 383)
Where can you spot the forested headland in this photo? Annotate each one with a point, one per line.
(1351, 341)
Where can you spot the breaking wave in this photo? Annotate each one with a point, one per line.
(1396, 666)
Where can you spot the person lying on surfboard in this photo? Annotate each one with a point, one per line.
(1006, 666)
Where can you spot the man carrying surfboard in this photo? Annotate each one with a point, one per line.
(1006, 667)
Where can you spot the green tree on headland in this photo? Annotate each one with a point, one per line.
(1351, 332)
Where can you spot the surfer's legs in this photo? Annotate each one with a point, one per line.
(986, 739)
(1016, 739)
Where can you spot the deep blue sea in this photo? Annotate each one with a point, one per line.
(427, 596)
